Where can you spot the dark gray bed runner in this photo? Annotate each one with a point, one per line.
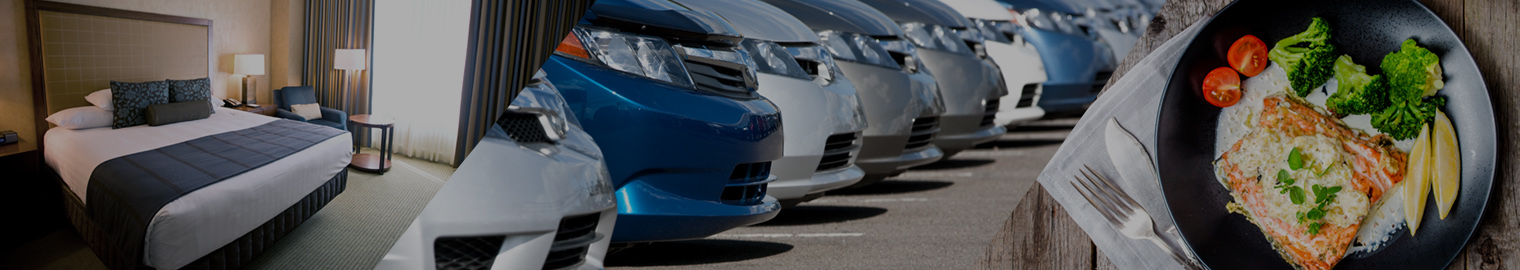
(126, 192)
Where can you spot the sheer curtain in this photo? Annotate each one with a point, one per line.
(419, 60)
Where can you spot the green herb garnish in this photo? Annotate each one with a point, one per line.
(1295, 160)
(1297, 194)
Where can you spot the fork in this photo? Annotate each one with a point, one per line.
(1125, 214)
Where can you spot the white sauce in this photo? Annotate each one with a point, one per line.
(1386, 215)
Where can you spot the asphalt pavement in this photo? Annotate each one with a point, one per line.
(940, 216)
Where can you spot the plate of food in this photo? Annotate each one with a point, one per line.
(1352, 134)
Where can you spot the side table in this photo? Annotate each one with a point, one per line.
(375, 163)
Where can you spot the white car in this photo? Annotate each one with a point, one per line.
(821, 115)
(534, 194)
(1023, 70)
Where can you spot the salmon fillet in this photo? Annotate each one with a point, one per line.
(1335, 155)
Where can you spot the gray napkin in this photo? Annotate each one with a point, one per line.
(1134, 101)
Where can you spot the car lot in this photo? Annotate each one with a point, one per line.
(939, 216)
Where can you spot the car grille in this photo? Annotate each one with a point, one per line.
(716, 75)
(466, 253)
(571, 241)
(1026, 96)
(923, 132)
(991, 111)
(836, 151)
(1100, 81)
(522, 127)
(746, 185)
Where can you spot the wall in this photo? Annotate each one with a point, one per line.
(239, 27)
(285, 45)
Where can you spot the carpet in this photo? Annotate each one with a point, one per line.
(354, 231)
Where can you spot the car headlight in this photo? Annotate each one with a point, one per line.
(646, 56)
(994, 30)
(538, 102)
(816, 62)
(856, 48)
(935, 37)
(1051, 21)
(905, 54)
(772, 58)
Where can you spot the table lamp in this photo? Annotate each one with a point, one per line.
(248, 65)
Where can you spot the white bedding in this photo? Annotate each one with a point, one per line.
(206, 219)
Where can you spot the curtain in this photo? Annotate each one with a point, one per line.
(419, 61)
(331, 25)
(509, 41)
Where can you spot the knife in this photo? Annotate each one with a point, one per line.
(1134, 164)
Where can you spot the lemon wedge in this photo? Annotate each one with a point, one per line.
(1445, 164)
(1417, 180)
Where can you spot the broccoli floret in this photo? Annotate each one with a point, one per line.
(1307, 57)
(1356, 92)
(1412, 72)
(1402, 119)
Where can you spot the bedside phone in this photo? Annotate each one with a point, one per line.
(232, 102)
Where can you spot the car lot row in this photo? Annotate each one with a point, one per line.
(662, 120)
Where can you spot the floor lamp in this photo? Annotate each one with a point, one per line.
(248, 65)
(348, 60)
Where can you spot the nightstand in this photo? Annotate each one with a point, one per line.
(21, 167)
(264, 109)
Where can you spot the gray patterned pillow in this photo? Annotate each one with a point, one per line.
(132, 99)
(187, 90)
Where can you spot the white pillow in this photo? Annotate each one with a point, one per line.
(81, 118)
(101, 99)
(309, 111)
(216, 102)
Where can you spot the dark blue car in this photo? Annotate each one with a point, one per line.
(670, 98)
(1077, 65)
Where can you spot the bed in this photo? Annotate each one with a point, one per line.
(209, 218)
(223, 223)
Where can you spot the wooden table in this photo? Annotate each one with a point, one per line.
(1040, 235)
(375, 163)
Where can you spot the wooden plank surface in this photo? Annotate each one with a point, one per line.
(1039, 234)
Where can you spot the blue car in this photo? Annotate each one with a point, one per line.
(670, 97)
(1077, 65)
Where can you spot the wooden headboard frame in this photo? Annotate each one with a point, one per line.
(35, 44)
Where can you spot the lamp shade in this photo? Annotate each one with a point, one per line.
(248, 64)
(348, 59)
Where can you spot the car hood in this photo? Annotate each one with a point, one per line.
(1022, 5)
(757, 20)
(662, 18)
(980, 9)
(922, 11)
(840, 15)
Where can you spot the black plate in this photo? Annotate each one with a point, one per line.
(1366, 30)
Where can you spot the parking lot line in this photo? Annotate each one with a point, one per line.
(786, 235)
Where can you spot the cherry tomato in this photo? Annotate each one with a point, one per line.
(1222, 87)
(1248, 55)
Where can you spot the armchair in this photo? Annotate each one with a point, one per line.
(283, 97)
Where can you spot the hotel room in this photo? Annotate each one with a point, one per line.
(257, 134)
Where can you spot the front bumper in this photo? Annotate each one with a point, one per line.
(797, 189)
(887, 165)
(814, 115)
(1068, 98)
(675, 155)
(961, 132)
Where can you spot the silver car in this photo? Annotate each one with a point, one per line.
(901, 104)
(534, 194)
(821, 114)
(970, 83)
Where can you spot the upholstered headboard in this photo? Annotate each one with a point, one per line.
(76, 50)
